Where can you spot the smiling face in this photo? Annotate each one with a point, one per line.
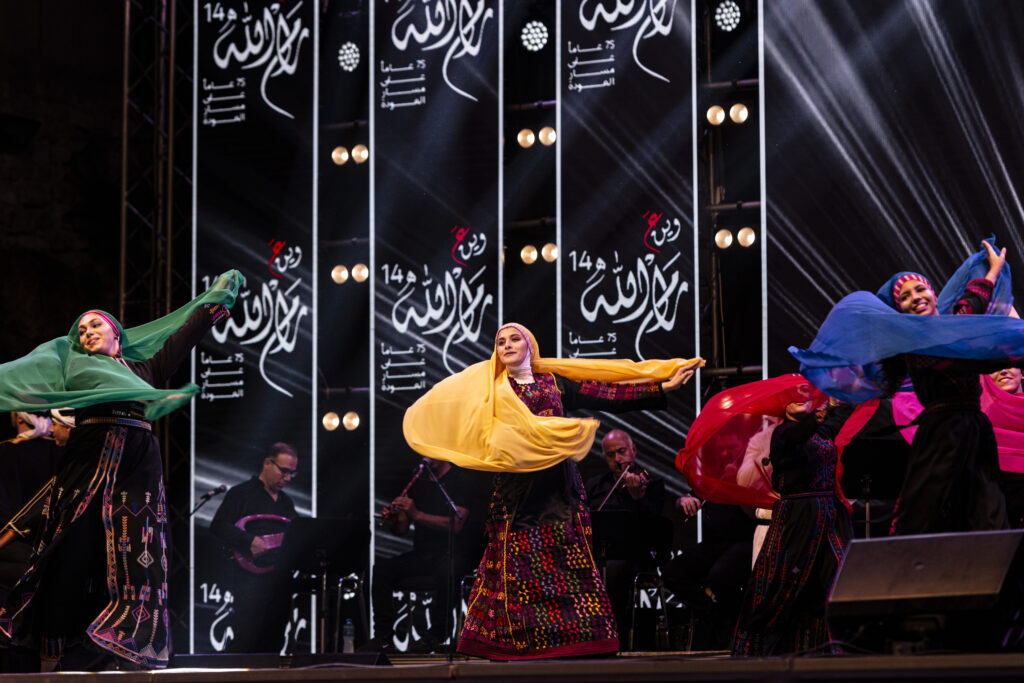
(1008, 379)
(917, 298)
(512, 346)
(96, 335)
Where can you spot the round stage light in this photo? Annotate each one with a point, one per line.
(738, 113)
(528, 254)
(331, 421)
(339, 155)
(351, 420)
(360, 272)
(348, 56)
(525, 138)
(716, 115)
(723, 238)
(339, 274)
(727, 15)
(547, 136)
(534, 36)
(746, 237)
(360, 153)
(549, 252)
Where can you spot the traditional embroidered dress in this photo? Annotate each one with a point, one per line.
(99, 564)
(538, 592)
(784, 606)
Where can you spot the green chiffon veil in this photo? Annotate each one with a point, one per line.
(60, 374)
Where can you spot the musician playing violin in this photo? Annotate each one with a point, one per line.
(629, 487)
(260, 505)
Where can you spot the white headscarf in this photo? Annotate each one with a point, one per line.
(39, 424)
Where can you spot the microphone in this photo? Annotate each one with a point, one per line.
(214, 492)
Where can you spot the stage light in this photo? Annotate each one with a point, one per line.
(351, 420)
(525, 138)
(339, 155)
(716, 115)
(746, 237)
(360, 153)
(549, 252)
(534, 36)
(727, 15)
(348, 56)
(738, 112)
(339, 274)
(360, 272)
(723, 238)
(331, 421)
(547, 136)
(528, 254)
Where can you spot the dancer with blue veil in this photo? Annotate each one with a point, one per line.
(869, 343)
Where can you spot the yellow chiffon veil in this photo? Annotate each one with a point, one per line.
(474, 419)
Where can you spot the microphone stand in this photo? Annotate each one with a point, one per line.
(204, 499)
(448, 592)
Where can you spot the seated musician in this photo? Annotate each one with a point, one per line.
(628, 487)
(425, 511)
(261, 599)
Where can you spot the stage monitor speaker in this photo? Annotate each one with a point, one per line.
(263, 660)
(956, 580)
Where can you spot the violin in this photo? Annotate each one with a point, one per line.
(641, 472)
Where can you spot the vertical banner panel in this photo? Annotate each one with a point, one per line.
(253, 194)
(434, 90)
(626, 256)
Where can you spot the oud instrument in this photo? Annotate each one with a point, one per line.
(263, 563)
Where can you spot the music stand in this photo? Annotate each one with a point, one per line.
(316, 545)
(615, 535)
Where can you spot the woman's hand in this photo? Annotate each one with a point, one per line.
(995, 262)
(677, 380)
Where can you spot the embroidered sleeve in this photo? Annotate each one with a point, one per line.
(975, 298)
(610, 396)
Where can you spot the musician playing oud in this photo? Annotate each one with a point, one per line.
(423, 508)
(250, 522)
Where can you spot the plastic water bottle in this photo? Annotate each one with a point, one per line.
(661, 633)
(348, 636)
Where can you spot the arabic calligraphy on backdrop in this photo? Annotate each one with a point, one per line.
(410, 90)
(455, 24)
(593, 67)
(452, 305)
(271, 41)
(647, 291)
(272, 317)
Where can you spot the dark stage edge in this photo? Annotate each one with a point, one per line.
(635, 667)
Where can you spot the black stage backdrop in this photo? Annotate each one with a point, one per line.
(435, 156)
(893, 142)
(253, 196)
(627, 242)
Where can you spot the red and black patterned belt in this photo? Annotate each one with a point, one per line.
(123, 421)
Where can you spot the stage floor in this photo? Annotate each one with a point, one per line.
(633, 667)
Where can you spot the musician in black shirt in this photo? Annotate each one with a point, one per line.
(260, 595)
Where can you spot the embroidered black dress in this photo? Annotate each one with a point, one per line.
(784, 605)
(99, 566)
(952, 481)
(538, 592)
